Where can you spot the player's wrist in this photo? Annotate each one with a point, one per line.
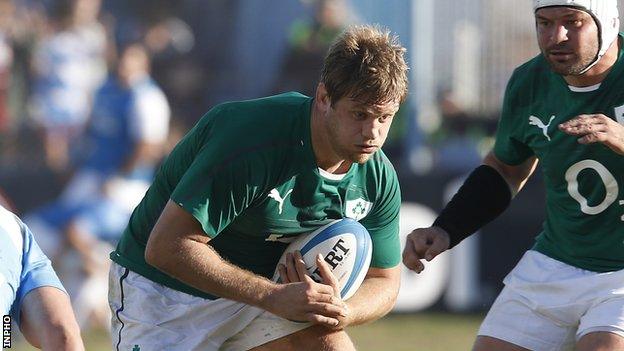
(442, 235)
(349, 318)
(265, 295)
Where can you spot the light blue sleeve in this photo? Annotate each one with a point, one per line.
(37, 271)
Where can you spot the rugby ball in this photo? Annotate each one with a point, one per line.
(345, 246)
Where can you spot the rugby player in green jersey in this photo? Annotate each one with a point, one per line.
(194, 266)
(565, 109)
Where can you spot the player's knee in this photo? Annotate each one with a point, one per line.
(316, 338)
(336, 340)
(600, 341)
(487, 343)
(323, 338)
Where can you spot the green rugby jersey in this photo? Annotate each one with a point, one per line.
(248, 174)
(584, 224)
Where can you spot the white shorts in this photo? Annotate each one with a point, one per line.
(549, 305)
(153, 317)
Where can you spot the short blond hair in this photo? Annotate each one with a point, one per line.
(366, 63)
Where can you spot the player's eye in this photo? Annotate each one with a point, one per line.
(543, 23)
(385, 118)
(359, 115)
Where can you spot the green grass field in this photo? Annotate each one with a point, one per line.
(413, 332)
(418, 332)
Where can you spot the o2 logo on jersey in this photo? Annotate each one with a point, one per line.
(611, 186)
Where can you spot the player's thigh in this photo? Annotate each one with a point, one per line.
(276, 333)
(513, 324)
(602, 326)
(314, 338)
(154, 317)
(487, 343)
(600, 341)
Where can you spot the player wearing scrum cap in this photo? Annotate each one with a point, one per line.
(565, 109)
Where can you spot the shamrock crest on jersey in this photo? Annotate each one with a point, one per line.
(535, 121)
(358, 208)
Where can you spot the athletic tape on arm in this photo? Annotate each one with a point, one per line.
(482, 197)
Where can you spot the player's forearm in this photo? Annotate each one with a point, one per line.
(178, 246)
(375, 297)
(198, 265)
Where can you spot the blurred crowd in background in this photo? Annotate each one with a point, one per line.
(94, 93)
(56, 55)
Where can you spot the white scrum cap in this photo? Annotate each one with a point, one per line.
(604, 12)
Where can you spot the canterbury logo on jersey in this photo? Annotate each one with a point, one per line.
(281, 238)
(275, 195)
(535, 121)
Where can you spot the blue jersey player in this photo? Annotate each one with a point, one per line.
(30, 291)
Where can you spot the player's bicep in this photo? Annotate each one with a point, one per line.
(383, 281)
(515, 175)
(215, 189)
(175, 223)
(174, 226)
(36, 272)
(392, 273)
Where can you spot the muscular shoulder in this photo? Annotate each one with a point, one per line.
(380, 163)
(380, 173)
(528, 79)
(259, 132)
(282, 103)
(263, 114)
(245, 126)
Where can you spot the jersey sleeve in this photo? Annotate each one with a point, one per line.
(383, 222)
(509, 147)
(220, 183)
(37, 271)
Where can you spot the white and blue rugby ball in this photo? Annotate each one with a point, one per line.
(345, 246)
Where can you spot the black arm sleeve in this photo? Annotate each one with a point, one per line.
(482, 197)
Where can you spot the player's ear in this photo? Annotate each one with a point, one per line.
(322, 97)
